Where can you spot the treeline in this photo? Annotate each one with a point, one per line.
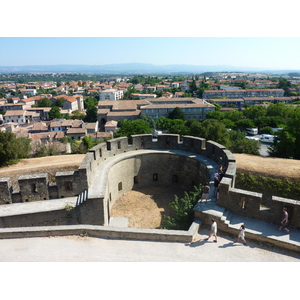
(227, 128)
(12, 149)
(175, 123)
(25, 78)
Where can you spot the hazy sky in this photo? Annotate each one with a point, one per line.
(272, 52)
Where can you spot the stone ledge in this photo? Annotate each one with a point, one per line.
(104, 232)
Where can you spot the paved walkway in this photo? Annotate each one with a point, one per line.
(88, 249)
(256, 227)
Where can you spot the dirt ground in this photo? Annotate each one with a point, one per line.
(40, 163)
(144, 208)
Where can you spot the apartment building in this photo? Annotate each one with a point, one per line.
(210, 94)
(110, 94)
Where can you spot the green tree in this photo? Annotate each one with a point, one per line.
(76, 114)
(128, 128)
(44, 102)
(176, 113)
(12, 149)
(183, 210)
(54, 113)
(192, 87)
(255, 111)
(88, 142)
(240, 144)
(243, 124)
(91, 114)
(163, 123)
(177, 126)
(90, 102)
(211, 130)
(59, 102)
(149, 119)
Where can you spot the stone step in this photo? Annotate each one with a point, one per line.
(228, 219)
(225, 214)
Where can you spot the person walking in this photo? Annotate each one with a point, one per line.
(213, 230)
(241, 235)
(284, 220)
(205, 192)
(216, 183)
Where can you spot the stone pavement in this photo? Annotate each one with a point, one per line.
(255, 229)
(89, 249)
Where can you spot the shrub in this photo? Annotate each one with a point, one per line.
(183, 209)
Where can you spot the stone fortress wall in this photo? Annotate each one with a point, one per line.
(113, 168)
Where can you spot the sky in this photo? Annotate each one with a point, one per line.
(261, 52)
(161, 32)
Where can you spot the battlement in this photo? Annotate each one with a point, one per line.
(112, 168)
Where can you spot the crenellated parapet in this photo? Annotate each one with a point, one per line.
(68, 184)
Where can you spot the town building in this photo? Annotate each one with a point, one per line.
(110, 94)
(160, 107)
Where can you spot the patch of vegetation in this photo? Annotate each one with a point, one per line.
(68, 207)
(183, 209)
(269, 186)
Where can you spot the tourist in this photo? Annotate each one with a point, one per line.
(284, 220)
(213, 230)
(220, 169)
(216, 183)
(241, 234)
(218, 192)
(205, 192)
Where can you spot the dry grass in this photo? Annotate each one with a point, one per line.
(268, 166)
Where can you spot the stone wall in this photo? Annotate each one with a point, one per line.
(156, 169)
(6, 190)
(248, 204)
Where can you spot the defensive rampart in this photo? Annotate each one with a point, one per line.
(115, 167)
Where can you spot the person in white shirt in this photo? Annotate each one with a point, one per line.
(241, 234)
(213, 230)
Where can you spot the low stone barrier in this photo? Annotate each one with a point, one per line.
(105, 232)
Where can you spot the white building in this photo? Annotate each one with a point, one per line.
(110, 94)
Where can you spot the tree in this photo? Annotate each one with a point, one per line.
(13, 149)
(255, 111)
(243, 124)
(287, 141)
(176, 113)
(44, 102)
(211, 130)
(91, 114)
(130, 90)
(59, 102)
(204, 86)
(163, 123)
(177, 126)
(149, 119)
(54, 113)
(183, 210)
(128, 128)
(90, 102)
(193, 87)
(76, 114)
(88, 142)
(240, 144)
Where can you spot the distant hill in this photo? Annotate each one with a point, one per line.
(134, 68)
